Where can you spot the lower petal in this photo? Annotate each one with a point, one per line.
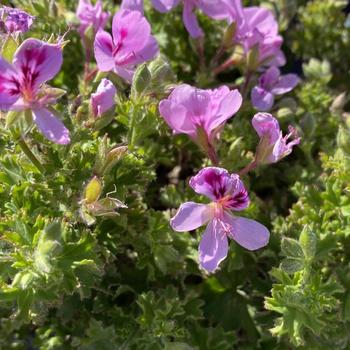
(248, 233)
(262, 100)
(213, 247)
(191, 216)
(51, 126)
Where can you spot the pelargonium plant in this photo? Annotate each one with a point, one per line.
(146, 130)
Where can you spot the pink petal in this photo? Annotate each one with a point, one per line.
(51, 126)
(164, 5)
(213, 246)
(176, 117)
(190, 20)
(9, 85)
(37, 62)
(285, 84)
(269, 79)
(130, 30)
(248, 233)
(262, 100)
(265, 124)
(227, 107)
(191, 216)
(103, 48)
(215, 9)
(103, 99)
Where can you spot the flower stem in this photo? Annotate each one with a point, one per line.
(26, 150)
(251, 166)
(245, 87)
(213, 156)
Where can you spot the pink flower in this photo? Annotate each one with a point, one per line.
(272, 83)
(201, 114)
(90, 15)
(215, 9)
(22, 85)
(15, 20)
(227, 194)
(131, 45)
(103, 99)
(257, 29)
(273, 146)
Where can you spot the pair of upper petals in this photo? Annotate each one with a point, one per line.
(132, 43)
(188, 107)
(34, 63)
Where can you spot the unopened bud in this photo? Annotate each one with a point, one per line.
(161, 71)
(113, 157)
(141, 81)
(93, 191)
(253, 58)
(343, 140)
(308, 124)
(338, 104)
(230, 31)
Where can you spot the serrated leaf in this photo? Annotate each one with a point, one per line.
(291, 248)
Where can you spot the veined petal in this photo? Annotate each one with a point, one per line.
(9, 85)
(248, 233)
(191, 216)
(37, 62)
(262, 100)
(51, 126)
(103, 47)
(190, 20)
(266, 125)
(212, 182)
(213, 246)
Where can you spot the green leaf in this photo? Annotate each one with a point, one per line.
(291, 248)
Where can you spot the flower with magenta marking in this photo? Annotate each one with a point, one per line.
(132, 44)
(15, 20)
(103, 99)
(227, 193)
(272, 83)
(22, 85)
(201, 114)
(273, 146)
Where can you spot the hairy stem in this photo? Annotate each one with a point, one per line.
(26, 150)
(248, 168)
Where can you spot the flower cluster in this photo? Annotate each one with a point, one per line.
(199, 113)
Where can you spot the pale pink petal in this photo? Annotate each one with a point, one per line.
(248, 233)
(104, 98)
(51, 126)
(213, 246)
(228, 106)
(176, 117)
(103, 48)
(37, 62)
(191, 216)
(269, 79)
(190, 20)
(265, 124)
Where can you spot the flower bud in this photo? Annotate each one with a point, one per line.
(343, 140)
(308, 124)
(230, 31)
(141, 80)
(253, 59)
(161, 71)
(338, 104)
(93, 191)
(103, 99)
